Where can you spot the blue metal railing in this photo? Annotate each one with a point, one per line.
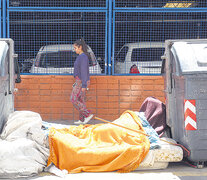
(153, 4)
(120, 33)
(0, 17)
(141, 27)
(42, 25)
(60, 4)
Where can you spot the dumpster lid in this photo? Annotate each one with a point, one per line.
(191, 56)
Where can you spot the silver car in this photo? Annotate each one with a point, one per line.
(59, 59)
(146, 56)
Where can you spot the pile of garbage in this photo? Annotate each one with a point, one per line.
(25, 149)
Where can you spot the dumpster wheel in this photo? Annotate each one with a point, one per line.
(200, 164)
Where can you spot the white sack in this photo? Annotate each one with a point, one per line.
(18, 123)
(38, 135)
(24, 146)
(20, 158)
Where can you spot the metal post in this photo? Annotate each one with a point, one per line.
(4, 17)
(110, 36)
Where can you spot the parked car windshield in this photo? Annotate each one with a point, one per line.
(60, 59)
(147, 54)
(122, 54)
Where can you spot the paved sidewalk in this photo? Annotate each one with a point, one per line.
(175, 171)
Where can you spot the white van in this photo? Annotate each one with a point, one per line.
(59, 59)
(145, 55)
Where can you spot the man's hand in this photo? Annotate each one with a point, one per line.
(83, 89)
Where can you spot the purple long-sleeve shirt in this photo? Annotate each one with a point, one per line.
(81, 69)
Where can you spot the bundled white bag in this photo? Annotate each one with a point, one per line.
(20, 158)
(18, 123)
(24, 149)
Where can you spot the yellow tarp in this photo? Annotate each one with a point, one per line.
(100, 147)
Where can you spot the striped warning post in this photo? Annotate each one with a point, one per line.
(190, 114)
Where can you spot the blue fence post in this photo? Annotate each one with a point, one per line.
(1, 21)
(110, 36)
(4, 17)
